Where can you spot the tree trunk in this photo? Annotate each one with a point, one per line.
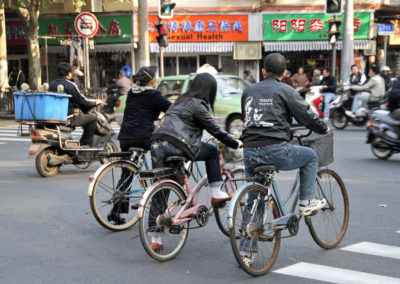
(30, 19)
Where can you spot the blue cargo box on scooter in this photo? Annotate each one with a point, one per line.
(40, 106)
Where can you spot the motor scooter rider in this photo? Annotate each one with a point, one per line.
(356, 77)
(394, 100)
(77, 100)
(386, 77)
(375, 87)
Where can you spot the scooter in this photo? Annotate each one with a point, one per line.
(314, 98)
(341, 110)
(383, 134)
(54, 146)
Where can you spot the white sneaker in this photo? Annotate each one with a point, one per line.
(350, 113)
(313, 205)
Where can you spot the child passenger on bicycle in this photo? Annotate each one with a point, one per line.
(180, 133)
(144, 104)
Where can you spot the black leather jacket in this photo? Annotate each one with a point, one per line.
(77, 100)
(183, 126)
(268, 108)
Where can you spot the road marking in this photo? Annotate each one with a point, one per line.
(398, 232)
(334, 275)
(375, 249)
(8, 134)
(3, 143)
(15, 139)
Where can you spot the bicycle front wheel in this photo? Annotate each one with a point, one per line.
(163, 237)
(329, 224)
(230, 185)
(258, 245)
(116, 195)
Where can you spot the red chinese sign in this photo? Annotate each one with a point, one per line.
(197, 28)
(15, 34)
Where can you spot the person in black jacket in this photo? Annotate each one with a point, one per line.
(268, 110)
(328, 90)
(180, 133)
(143, 106)
(76, 101)
(394, 100)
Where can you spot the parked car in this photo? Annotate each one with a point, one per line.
(227, 103)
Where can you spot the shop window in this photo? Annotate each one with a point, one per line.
(171, 89)
(169, 66)
(229, 66)
(209, 59)
(187, 65)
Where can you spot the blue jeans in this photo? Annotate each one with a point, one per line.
(286, 157)
(363, 97)
(328, 97)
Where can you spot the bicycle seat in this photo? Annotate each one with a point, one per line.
(125, 154)
(266, 168)
(159, 172)
(137, 150)
(175, 159)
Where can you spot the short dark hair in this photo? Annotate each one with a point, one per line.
(64, 68)
(275, 63)
(329, 70)
(354, 65)
(375, 68)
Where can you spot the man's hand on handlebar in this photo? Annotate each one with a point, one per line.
(240, 144)
(100, 102)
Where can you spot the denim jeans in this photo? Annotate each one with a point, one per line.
(328, 97)
(286, 157)
(363, 97)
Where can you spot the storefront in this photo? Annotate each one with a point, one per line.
(393, 52)
(303, 38)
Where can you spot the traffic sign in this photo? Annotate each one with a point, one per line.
(86, 24)
(385, 29)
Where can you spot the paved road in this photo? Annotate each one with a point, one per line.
(48, 234)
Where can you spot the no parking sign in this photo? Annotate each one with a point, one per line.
(86, 24)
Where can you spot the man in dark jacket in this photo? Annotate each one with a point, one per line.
(76, 101)
(394, 100)
(328, 90)
(268, 108)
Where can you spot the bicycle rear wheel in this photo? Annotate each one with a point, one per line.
(329, 224)
(159, 210)
(221, 213)
(258, 245)
(110, 190)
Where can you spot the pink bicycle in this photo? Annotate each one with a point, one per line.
(168, 207)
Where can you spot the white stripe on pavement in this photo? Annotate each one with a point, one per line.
(334, 275)
(15, 139)
(3, 143)
(398, 232)
(375, 249)
(8, 134)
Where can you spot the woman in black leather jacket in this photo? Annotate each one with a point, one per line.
(180, 133)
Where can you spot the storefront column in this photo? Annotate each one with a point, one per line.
(3, 50)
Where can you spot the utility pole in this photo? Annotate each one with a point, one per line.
(348, 41)
(144, 44)
(3, 49)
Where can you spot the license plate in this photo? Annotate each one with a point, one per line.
(33, 149)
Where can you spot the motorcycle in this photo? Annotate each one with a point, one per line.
(314, 98)
(383, 134)
(54, 146)
(341, 113)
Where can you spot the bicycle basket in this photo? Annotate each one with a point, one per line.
(322, 145)
(231, 155)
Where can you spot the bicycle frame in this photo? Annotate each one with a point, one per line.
(283, 220)
(184, 214)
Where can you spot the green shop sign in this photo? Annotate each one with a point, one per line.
(283, 27)
(111, 29)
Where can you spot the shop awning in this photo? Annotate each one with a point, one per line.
(193, 47)
(309, 45)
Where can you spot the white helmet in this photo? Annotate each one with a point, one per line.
(385, 68)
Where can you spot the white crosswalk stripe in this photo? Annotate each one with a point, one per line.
(375, 249)
(340, 275)
(334, 275)
(10, 133)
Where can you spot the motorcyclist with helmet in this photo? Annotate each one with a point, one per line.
(386, 77)
(76, 101)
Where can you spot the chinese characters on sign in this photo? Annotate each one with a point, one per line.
(15, 33)
(284, 27)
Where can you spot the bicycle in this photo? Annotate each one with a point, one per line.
(167, 208)
(117, 183)
(257, 217)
